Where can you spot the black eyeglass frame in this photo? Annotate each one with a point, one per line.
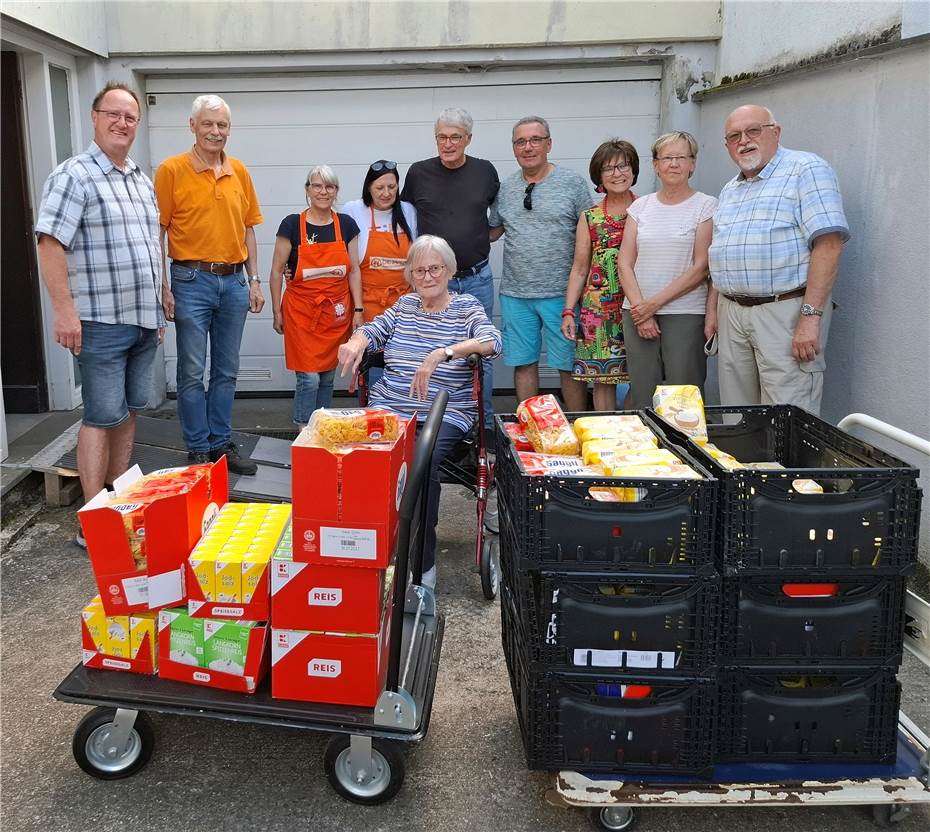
(528, 196)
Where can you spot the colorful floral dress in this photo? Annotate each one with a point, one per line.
(599, 352)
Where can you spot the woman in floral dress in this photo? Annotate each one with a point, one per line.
(595, 278)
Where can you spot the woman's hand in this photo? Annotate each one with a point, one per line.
(568, 327)
(643, 311)
(278, 322)
(648, 329)
(419, 387)
(358, 318)
(350, 355)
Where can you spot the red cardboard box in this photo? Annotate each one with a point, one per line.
(330, 667)
(173, 525)
(92, 658)
(326, 598)
(255, 610)
(256, 665)
(345, 507)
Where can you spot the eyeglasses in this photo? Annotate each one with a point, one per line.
(667, 160)
(318, 187)
(528, 196)
(434, 270)
(455, 138)
(377, 167)
(752, 133)
(532, 141)
(112, 115)
(624, 169)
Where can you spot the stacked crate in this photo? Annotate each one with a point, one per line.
(814, 588)
(609, 619)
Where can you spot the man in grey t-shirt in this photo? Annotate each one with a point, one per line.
(537, 210)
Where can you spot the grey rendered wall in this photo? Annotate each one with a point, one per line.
(869, 118)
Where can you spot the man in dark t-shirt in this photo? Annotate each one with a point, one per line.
(452, 193)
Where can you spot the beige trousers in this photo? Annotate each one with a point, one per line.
(755, 365)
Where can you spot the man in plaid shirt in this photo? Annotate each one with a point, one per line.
(778, 236)
(100, 256)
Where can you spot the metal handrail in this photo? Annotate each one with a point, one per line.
(896, 434)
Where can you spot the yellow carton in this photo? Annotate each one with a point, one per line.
(95, 620)
(254, 565)
(229, 577)
(140, 625)
(118, 636)
(203, 565)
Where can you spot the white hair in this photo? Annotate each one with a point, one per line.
(325, 174)
(423, 245)
(456, 117)
(208, 102)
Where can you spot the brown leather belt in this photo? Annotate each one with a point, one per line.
(757, 300)
(220, 269)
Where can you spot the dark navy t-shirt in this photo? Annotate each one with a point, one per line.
(290, 230)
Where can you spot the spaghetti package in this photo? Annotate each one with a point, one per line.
(518, 436)
(334, 429)
(682, 406)
(546, 426)
(555, 466)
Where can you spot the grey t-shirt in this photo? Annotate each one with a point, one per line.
(539, 245)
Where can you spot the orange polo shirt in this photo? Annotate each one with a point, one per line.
(206, 215)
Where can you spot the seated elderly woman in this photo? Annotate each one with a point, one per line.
(427, 336)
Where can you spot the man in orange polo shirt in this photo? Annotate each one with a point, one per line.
(208, 208)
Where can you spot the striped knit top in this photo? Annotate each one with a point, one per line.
(407, 333)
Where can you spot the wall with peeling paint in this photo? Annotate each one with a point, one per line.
(868, 119)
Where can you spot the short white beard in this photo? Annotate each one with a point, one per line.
(750, 162)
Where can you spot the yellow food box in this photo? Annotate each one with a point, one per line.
(229, 577)
(140, 625)
(203, 565)
(118, 636)
(253, 567)
(95, 619)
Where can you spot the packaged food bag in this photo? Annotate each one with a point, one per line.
(546, 426)
(728, 461)
(629, 494)
(556, 466)
(683, 406)
(597, 427)
(330, 428)
(518, 436)
(616, 456)
(802, 486)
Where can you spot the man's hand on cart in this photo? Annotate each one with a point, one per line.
(350, 357)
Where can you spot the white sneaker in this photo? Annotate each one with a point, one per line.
(429, 578)
(79, 540)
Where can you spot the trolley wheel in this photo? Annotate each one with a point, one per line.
(95, 753)
(379, 786)
(489, 568)
(613, 818)
(885, 815)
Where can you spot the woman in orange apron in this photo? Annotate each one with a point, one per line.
(387, 227)
(322, 302)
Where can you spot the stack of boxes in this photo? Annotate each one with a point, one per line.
(331, 579)
(610, 615)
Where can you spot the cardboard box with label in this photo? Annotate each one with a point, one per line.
(345, 505)
(121, 642)
(138, 546)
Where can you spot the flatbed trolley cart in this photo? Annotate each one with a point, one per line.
(889, 790)
(363, 760)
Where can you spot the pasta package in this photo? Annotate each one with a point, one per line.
(632, 494)
(595, 449)
(614, 457)
(728, 461)
(518, 436)
(546, 426)
(683, 406)
(555, 466)
(598, 427)
(332, 429)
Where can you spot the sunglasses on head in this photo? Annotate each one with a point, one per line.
(528, 196)
(377, 167)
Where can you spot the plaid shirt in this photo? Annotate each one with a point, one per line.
(107, 221)
(765, 226)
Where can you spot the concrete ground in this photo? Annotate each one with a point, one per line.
(468, 774)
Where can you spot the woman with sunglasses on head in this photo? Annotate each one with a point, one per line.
(668, 313)
(595, 276)
(317, 251)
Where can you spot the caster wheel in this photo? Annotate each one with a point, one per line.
(885, 815)
(490, 571)
(378, 785)
(97, 754)
(613, 818)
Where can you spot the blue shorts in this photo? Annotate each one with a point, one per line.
(523, 321)
(117, 371)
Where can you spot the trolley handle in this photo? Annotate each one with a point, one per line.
(419, 477)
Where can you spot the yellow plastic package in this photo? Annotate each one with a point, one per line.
(615, 457)
(596, 427)
(683, 406)
(628, 494)
(546, 426)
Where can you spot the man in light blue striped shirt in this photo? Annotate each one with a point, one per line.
(778, 236)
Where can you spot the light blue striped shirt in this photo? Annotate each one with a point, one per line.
(765, 226)
(407, 333)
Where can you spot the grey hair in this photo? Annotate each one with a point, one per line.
(208, 102)
(325, 173)
(456, 117)
(533, 120)
(424, 244)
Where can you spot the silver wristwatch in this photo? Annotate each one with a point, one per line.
(807, 310)
(449, 354)
(255, 279)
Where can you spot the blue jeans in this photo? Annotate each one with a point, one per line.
(117, 371)
(481, 286)
(449, 436)
(313, 390)
(208, 306)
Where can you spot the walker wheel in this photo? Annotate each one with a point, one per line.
(489, 567)
(613, 818)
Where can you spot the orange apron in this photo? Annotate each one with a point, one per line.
(317, 304)
(383, 280)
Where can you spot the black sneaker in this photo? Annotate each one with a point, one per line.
(235, 463)
(198, 458)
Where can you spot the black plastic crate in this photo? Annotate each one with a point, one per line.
(559, 525)
(620, 623)
(866, 522)
(783, 621)
(814, 715)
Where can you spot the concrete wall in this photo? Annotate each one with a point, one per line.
(868, 118)
(82, 23)
(275, 26)
(759, 34)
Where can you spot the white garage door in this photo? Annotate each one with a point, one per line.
(284, 124)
